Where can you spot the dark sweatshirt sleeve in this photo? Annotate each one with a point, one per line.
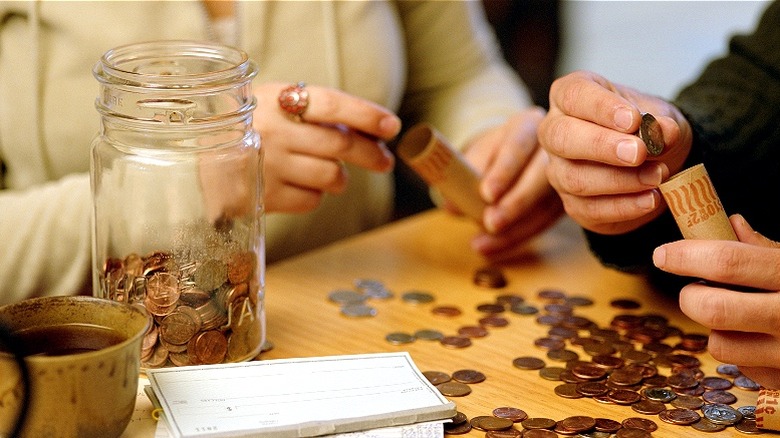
(734, 111)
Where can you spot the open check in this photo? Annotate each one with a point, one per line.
(297, 397)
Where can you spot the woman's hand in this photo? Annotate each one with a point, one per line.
(304, 159)
(521, 203)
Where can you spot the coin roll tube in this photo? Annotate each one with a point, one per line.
(443, 168)
(695, 205)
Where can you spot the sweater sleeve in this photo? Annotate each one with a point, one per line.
(733, 109)
(45, 234)
(458, 81)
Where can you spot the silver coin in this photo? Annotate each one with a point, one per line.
(398, 338)
(748, 412)
(417, 297)
(358, 310)
(346, 296)
(650, 133)
(746, 383)
(429, 335)
(721, 414)
(373, 288)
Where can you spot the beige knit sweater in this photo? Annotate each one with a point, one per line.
(430, 60)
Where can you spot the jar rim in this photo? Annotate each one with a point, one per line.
(151, 64)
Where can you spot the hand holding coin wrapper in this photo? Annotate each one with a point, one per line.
(692, 200)
(443, 168)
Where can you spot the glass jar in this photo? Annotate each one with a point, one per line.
(176, 175)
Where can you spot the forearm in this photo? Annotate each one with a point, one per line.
(45, 239)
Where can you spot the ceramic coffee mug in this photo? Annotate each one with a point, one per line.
(83, 359)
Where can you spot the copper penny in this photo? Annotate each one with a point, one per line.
(473, 331)
(178, 328)
(632, 432)
(490, 277)
(210, 347)
(567, 390)
(241, 266)
(679, 416)
(550, 343)
(687, 402)
(624, 396)
(562, 355)
(716, 383)
(537, 423)
(454, 389)
(510, 413)
(437, 377)
(577, 423)
(589, 371)
(625, 304)
(551, 373)
(446, 311)
(504, 433)
(493, 321)
(487, 422)
(719, 396)
(651, 134)
(592, 389)
(539, 433)
(528, 363)
(455, 341)
(459, 418)
(705, 425)
(640, 423)
(607, 425)
(648, 407)
(468, 376)
(491, 308)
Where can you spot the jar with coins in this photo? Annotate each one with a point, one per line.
(176, 175)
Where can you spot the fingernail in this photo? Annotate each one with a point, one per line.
(493, 220)
(659, 257)
(647, 201)
(390, 126)
(624, 118)
(651, 175)
(627, 151)
(488, 192)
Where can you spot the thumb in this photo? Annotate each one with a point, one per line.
(746, 234)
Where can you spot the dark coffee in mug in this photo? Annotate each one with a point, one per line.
(64, 339)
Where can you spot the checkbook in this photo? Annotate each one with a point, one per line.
(296, 397)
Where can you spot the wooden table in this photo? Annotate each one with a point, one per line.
(430, 252)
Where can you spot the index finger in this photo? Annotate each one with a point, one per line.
(722, 261)
(334, 107)
(588, 96)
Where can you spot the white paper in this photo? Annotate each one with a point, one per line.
(297, 397)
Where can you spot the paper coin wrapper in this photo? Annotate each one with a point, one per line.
(695, 205)
(443, 168)
(768, 409)
(699, 214)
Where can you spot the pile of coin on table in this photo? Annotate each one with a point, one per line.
(616, 372)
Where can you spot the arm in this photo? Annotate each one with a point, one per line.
(459, 82)
(45, 235)
(726, 119)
